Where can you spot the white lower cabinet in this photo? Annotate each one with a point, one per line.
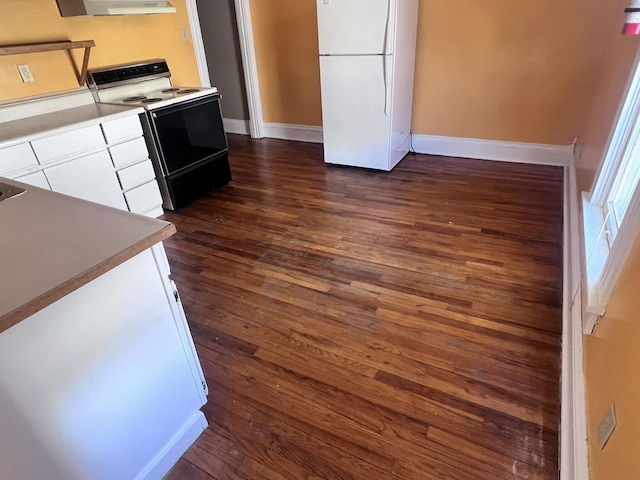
(89, 178)
(107, 163)
(136, 175)
(103, 384)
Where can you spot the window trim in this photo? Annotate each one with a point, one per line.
(622, 130)
(602, 261)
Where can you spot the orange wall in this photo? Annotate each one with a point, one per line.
(118, 39)
(497, 69)
(504, 70)
(286, 41)
(612, 357)
(619, 52)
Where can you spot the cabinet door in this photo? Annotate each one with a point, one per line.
(111, 389)
(90, 178)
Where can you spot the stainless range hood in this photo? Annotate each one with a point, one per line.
(72, 8)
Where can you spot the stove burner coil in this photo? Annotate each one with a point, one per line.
(151, 100)
(188, 90)
(134, 99)
(169, 90)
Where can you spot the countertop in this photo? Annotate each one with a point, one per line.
(33, 127)
(52, 244)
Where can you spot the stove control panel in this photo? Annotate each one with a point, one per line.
(129, 73)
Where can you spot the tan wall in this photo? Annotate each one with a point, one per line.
(612, 357)
(613, 72)
(497, 69)
(118, 39)
(505, 70)
(286, 41)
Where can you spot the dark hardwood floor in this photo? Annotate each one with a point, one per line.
(355, 324)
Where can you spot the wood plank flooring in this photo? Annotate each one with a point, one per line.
(355, 324)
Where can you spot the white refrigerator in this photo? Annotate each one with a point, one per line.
(367, 60)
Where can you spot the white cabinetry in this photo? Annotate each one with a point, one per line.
(89, 178)
(68, 145)
(106, 163)
(136, 175)
(18, 158)
(114, 385)
(37, 179)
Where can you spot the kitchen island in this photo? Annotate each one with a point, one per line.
(99, 377)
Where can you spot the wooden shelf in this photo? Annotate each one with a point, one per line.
(51, 47)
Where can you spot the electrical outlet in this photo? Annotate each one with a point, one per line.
(25, 73)
(607, 426)
(184, 34)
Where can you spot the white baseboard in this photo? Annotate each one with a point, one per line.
(574, 462)
(231, 125)
(557, 155)
(298, 133)
(171, 453)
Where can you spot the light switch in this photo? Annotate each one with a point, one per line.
(25, 73)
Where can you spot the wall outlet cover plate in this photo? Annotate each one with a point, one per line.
(25, 73)
(607, 426)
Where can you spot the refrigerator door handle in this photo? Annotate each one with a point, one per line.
(386, 77)
(387, 31)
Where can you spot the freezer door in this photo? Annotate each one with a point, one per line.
(356, 110)
(356, 27)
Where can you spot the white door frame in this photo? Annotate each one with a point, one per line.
(249, 64)
(250, 67)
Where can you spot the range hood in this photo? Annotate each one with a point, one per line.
(72, 8)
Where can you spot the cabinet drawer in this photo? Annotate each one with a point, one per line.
(89, 178)
(18, 157)
(136, 175)
(68, 145)
(122, 129)
(128, 152)
(144, 198)
(36, 179)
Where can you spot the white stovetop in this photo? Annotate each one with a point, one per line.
(156, 88)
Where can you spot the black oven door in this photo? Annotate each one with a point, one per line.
(189, 133)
